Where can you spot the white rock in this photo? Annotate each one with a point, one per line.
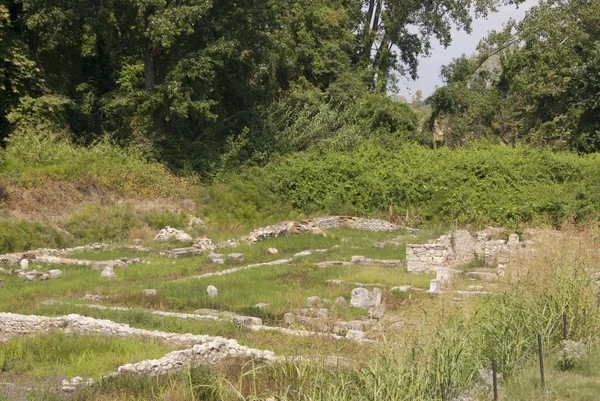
(272, 251)
(211, 290)
(150, 292)
(312, 302)
(108, 273)
(44, 276)
(236, 256)
(401, 288)
(24, 264)
(55, 273)
(434, 286)
(355, 335)
(261, 305)
(218, 261)
(170, 234)
(341, 302)
(362, 298)
(377, 311)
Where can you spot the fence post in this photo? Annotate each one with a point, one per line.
(443, 388)
(541, 355)
(564, 326)
(495, 379)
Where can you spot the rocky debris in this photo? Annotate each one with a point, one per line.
(313, 302)
(55, 273)
(90, 297)
(377, 311)
(138, 248)
(230, 243)
(233, 270)
(210, 353)
(204, 244)
(150, 292)
(247, 321)
(475, 293)
(261, 305)
(363, 298)
(328, 263)
(400, 288)
(15, 258)
(461, 247)
(172, 234)
(398, 241)
(71, 385)
(356, 223)
(236, 256)
(272, 251)
(108, 273)
(355, 335)
(309, 252)
(340, 282)
(485, 276)
(184, 252)
(211, 290)
(341, 302)
(42, 276)
(361, 260)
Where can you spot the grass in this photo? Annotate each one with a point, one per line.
(61, 355)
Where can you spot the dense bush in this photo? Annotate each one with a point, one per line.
(482, 183)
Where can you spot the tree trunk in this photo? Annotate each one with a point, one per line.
(148, 68)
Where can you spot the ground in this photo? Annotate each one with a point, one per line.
(42, 362)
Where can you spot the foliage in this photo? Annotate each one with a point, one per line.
(482, 183)
(571, 354)
(533, 82)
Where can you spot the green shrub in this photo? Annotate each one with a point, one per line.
(21, 235)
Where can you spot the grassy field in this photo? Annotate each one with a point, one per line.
(425, 339)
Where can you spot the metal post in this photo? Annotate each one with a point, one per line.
(495, 379)
(541, 355)
(443, 388)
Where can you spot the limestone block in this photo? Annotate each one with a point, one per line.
(362, 298)
(212, 292)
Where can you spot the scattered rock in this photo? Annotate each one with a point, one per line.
(172, 234)
(213, 256)
(247, 321)
(211, 290)
(44, 276)
(313, 302)
(261, 305)
(272, 251)
(204, 244)
(377, 311)
(325, 264)
(363, 298)
(71, 385)
(401, 288)
(108, 273)
(55, 273)
(341, 302)
(218, 261)
(361, 260)
(486, 276)
(355, 335)
(150, 292)
(236, 256)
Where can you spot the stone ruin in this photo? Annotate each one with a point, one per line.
(461, 247)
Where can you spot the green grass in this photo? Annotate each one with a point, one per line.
(61, 355)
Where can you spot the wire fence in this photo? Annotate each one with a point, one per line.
(490, 371)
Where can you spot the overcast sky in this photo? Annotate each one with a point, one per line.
(429, 68)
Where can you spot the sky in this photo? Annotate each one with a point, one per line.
(429, 68)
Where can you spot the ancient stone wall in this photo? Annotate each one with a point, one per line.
(461, 247)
